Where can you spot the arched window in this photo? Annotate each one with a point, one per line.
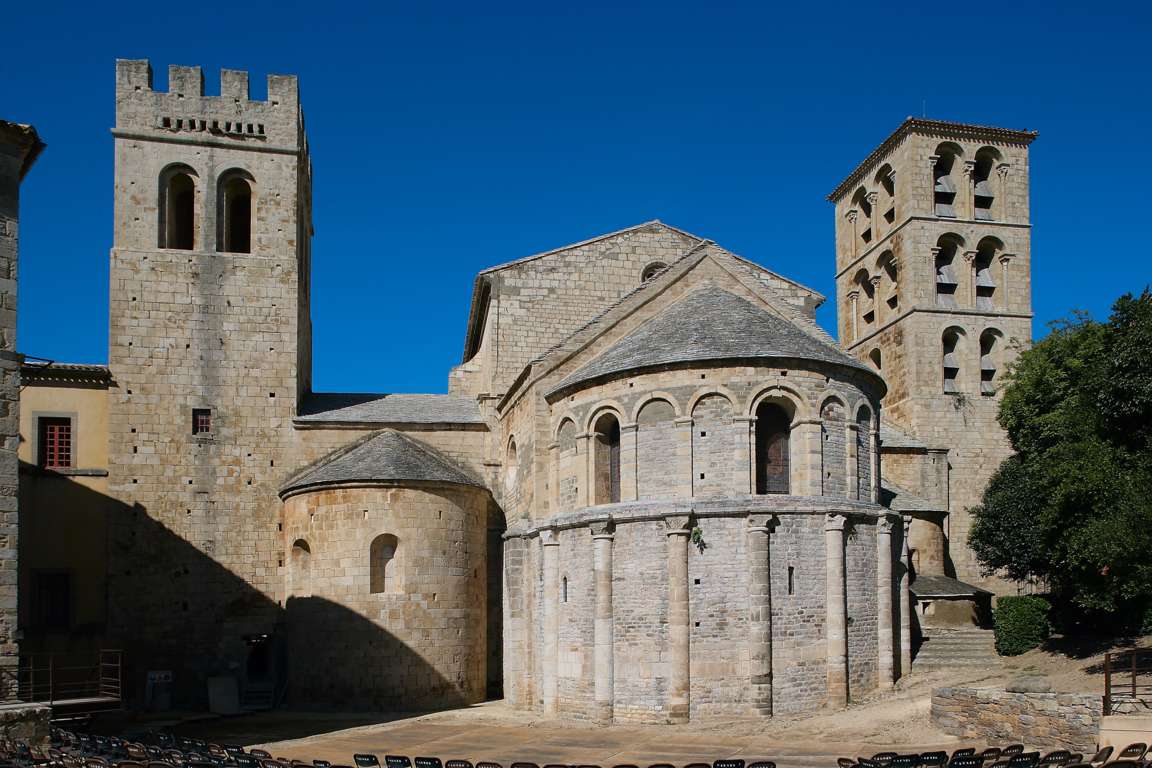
(984, 185)
(864, 225)
(874, 356)
(177, 208)
(234, 217)
(888, 270)
(943, 179)
(381, 553)
(606, 489)
(511, 467)
(989, 352)
(564, 589)
(886, 181)
(951, 342)
(773, 426)
(946, 249)
(300, 570)
(983, 265)
(652, 270)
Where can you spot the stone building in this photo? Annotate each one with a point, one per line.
(655, 491)
(20, 145)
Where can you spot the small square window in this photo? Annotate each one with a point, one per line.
(202, 421)
(55, 442)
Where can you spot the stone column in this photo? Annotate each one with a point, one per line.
(744, 478)
(678, 532)
(872, 199)
(968, 193)
(885, 598)
(585, 471)
(1005, 297)
(877, 302)
(836, 622)
(759, 532)
(628, 440)
(1000, 205)
(932, 160)
(854, 300)
(874, 458)
(682, 482)
(851, 216)
(549, 657)
(969, 280)
(602, 632)
(905, 599)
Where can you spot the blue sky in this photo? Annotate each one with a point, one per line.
(448, 137)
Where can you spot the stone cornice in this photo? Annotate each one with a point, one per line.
(165, 138)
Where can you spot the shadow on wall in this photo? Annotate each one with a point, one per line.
(172, 607)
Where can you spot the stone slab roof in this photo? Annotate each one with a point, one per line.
(927, 585)
(893, 437)
(902, 500)
(386, 456)
(705, 325)
(368, 409)
(63, 374)
(22, 135)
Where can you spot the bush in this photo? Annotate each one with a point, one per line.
(1021, 624)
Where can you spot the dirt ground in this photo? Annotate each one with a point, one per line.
(900, 718)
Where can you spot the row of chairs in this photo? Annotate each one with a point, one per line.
(1134, 755)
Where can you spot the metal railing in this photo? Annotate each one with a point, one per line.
(48, 678)
(1127, 679)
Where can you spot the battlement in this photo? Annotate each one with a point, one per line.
(185, 112)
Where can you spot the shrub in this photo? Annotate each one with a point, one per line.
(1021, 624)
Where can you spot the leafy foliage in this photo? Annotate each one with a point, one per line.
(1021, 624)
(1073, 507)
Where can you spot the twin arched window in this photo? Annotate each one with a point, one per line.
(178, 228)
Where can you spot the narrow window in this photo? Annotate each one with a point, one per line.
(867, 297)
(201, 421)
(772, 460)
(874, 356)
(951, 361)
(52, 601)
(944, 185)
(984, 192)
(791, 583)
(946, 273)
(55, 442)
(381, 553)
(607, 460)
(986, 253)
(988, 343)
(235, 235)
(301, 569)
(891, 282)
(861, 204)
(178, 210)
(564, 590)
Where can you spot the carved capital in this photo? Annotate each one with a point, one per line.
(885, 524)
(851, 215)
(762, 522)
(935, 251)
(875, 280)
(683, 421)
(634, 426)
(1002, 170)
(549, 537)
(853, 295)
(834, 521)
(678, 525)
(932, 160)
(969, 167)
(602, 529)
(872, 197)
(969, 256)
(1006, 257)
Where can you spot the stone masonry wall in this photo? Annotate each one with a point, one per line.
(1043, 721)
(421, 642)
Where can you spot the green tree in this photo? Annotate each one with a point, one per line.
(1074, 505)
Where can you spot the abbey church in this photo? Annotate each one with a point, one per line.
(655, 491)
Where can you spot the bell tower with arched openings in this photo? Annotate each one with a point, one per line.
(209, 346)
(933, 289)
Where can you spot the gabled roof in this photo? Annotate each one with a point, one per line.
(386, 456)
(319, 408)
(933, 128)
(929, 585)
(707, 324)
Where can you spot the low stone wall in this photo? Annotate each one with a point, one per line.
(25, 722)
(1040, 720)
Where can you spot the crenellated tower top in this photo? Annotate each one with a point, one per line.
(184, 112)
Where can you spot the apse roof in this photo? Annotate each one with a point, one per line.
(709, 323)
(382, 457)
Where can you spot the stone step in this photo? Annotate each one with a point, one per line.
(958, 648)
